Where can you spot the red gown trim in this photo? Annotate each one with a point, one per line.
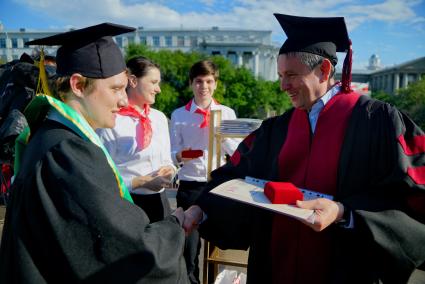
(417, 174)
(299, 254)
(413, 146)
(236, 157)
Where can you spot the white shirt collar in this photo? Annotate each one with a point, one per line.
(194, 106)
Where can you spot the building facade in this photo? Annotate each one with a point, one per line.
(249, 48)
(388, 79)
(397, 77)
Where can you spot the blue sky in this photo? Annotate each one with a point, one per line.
(393, 29)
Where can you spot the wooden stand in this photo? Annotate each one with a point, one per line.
(213, 256)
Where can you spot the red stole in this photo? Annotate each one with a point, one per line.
(299, 254)
(144, 132)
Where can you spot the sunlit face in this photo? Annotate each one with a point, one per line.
(301, 83)
(146, 88)
(203, 88)
(100, 106)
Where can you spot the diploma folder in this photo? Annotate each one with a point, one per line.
(242, 191)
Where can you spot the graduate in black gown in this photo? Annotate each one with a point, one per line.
(70, 218)
(365, 153)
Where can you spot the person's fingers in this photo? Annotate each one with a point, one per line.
(190, 223)
(163, 181)
(309, 204)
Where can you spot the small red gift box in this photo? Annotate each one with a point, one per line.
(282, 192)
(192, 154)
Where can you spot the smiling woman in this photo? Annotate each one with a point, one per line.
(140, 144)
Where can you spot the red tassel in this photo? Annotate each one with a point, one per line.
(346, 71)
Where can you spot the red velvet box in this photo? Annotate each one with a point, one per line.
(282, 192)
(192, 154)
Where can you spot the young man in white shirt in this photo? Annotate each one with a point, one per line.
(190, 131)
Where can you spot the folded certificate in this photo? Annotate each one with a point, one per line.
(240, 190)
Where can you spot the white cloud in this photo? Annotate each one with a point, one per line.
(387, 11)
(239, 13)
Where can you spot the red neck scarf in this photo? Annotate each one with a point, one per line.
(144, 132)
(204, 113)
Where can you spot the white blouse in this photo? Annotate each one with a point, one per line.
(122, 145)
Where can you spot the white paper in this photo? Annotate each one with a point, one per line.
(238, 189)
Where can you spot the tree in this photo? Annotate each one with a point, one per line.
(411, 100)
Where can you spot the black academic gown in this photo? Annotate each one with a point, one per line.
(66, 221)
(387, 242)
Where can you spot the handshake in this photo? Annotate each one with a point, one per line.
(189, 219)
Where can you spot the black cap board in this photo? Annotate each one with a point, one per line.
(90, 51)
(320, 36)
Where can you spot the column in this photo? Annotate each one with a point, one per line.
(239, 58)
(405, 80)
(396, 82)
(273, 68)
(256, 63)
(9, 56)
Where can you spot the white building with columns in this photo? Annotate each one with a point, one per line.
(388, 79)
(252, 49)
(399, 76)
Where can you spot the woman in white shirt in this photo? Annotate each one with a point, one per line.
(140, 144)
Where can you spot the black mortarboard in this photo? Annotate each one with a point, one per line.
(90, 51)
(321, 36)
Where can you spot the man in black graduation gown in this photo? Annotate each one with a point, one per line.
(70, 218)
(368, 155)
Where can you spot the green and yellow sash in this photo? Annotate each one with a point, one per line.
(35, 113)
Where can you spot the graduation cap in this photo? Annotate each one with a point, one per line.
(90, 51)
(320, 36)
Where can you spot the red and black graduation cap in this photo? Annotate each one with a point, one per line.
(90, 51)
(320, 36)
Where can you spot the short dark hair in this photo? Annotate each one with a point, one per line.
(139, 66)
(203, 68)
(62, 86)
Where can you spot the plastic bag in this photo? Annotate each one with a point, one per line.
(230, 277)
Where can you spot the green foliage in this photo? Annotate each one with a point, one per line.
(411, 100)
(237, 87)
(167, 100)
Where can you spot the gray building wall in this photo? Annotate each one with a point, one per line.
(250, 48)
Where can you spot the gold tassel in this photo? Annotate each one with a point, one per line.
(42, 85)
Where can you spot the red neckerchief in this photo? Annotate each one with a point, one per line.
(204, 113)
(144, 132)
